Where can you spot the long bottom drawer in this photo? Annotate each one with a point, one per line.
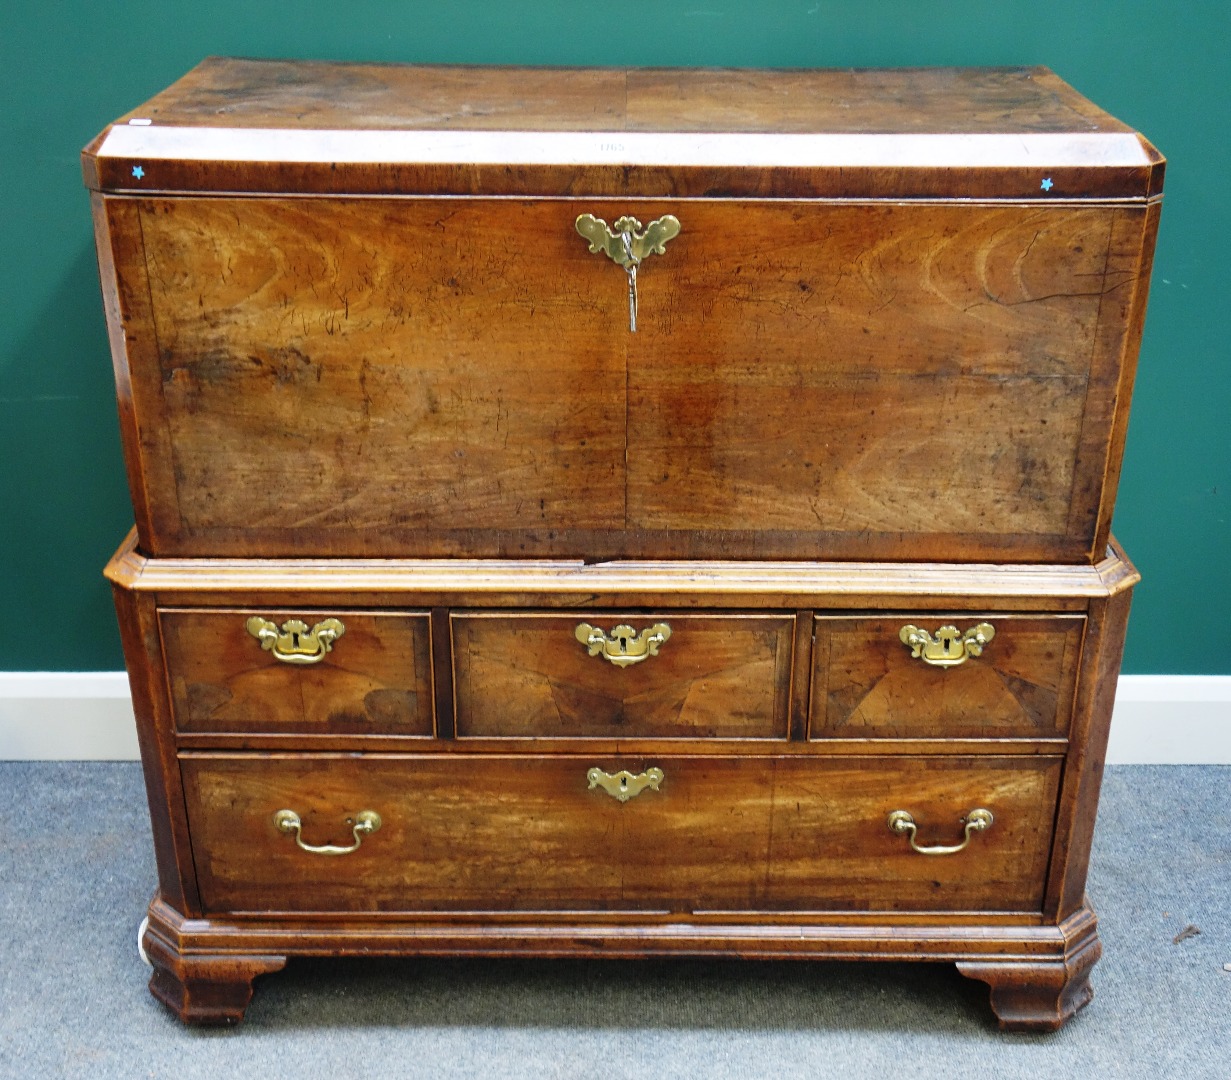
(675, 834)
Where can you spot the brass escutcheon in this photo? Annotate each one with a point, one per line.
(624, 645)
(624, 785)
(362, 824)
(949, 647)
(626, 245)
(903, 824)
(296, 643)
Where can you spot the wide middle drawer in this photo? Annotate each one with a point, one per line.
(622, 675)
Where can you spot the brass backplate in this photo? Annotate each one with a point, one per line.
(624, 785)
(295, 642)
(624, 646)
(950, 646)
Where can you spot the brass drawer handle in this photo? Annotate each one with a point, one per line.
(949, 647)
(903, 824)
(296, 643)
(363, 823)
(624, 785)
(624, 646)
(627, 245)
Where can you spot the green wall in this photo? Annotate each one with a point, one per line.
(71, 67)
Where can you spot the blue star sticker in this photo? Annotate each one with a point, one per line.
(1046, 185)
(139, 172)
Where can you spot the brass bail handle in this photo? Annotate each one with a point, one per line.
(950, 646)
(295, 642)
(624, 646)
(628, 246)
(362, 824)
(903, 824)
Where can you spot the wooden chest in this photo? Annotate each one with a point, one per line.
(623, 512)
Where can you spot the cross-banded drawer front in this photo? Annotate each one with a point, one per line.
(594, 833)
(616, 675)
(965, 675)
(310, 672)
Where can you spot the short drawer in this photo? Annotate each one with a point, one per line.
(622, 675)
(669, 834)
(314, 672)
(944, 676)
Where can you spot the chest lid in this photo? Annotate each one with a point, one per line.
(275, 126)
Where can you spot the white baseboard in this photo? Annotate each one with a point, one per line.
(66, 716)
(87, 716)
(1171, 720)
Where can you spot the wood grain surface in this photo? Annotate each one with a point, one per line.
(147, 680)
(1040, 994)
(376, 680)
(677, 132)
(715, 677)
(893, 372)
(431, 378)
(866, 684)
(226, 91)
(334, 370)
(528, 834)
(670, 583)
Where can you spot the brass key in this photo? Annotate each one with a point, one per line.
(631, 269)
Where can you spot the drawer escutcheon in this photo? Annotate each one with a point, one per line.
(624, 785)
(296, 642)
(950, 646)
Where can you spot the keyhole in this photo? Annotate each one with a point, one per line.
(623, 782)
(294, 640)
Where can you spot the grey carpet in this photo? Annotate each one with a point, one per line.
(76, 872)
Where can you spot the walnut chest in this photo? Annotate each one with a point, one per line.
(622, 513)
